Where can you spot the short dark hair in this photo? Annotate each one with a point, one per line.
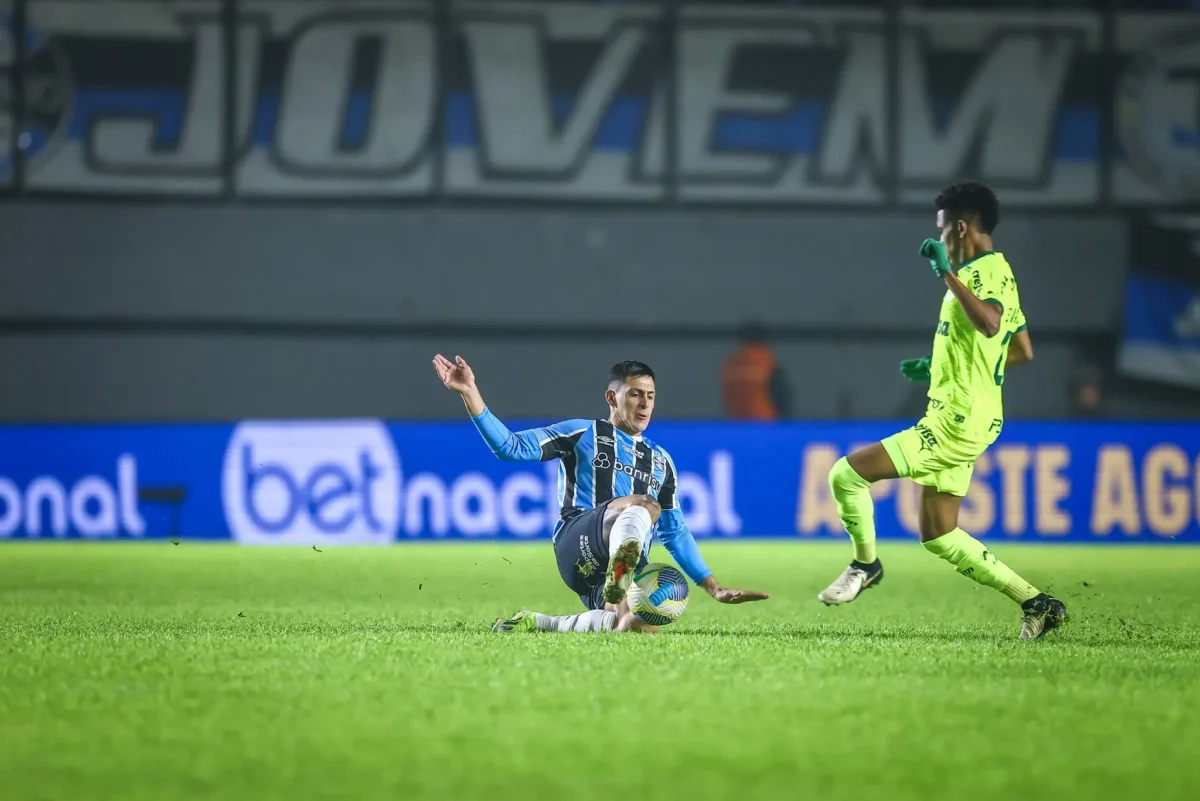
(623, 371)
(971, 200)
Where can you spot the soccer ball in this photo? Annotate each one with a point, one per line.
(658, 594)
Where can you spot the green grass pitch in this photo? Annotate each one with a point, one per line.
(154, 671)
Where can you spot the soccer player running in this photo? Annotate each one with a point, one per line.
(614, 487)
(980, 332)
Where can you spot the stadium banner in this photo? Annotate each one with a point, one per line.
(772, 103)
(1161, 337)
(331, 482)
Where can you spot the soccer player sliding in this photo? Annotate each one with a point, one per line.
(615, 487)
(980, 333)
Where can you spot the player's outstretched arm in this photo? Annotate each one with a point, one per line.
(677, 538)
(533, 445)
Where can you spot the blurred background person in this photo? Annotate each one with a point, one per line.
(1086, 400)
(753, 385)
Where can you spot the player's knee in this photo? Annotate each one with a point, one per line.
(843, 478)
(647, 503)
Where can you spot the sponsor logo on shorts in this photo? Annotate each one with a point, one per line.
(587, 563)
(928, 440)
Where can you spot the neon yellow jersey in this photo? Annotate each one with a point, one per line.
(966, 372)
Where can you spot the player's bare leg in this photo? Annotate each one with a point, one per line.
(942, 537)
(872, 463)
(850, 482)
(627, 524)
(939, 513)
(627, 621)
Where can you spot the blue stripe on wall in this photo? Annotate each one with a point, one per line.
(1076, 138)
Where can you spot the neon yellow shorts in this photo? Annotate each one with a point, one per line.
(939, 451)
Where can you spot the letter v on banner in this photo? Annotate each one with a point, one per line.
(534, 123)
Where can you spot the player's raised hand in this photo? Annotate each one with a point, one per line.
(456, 375)
(935, 251)
(915, 370)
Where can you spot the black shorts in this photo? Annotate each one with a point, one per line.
(582, 557)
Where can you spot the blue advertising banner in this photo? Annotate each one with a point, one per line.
(329, 482)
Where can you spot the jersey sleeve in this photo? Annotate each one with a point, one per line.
(989, 281)
(1014, 312)
(531, 445)
(1019, 323)
(993, 282)
(1003, 290)
(673, 531)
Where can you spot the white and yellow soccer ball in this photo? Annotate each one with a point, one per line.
(658, 594)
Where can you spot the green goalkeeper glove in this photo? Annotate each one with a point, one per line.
(915, 370)
(935, 251)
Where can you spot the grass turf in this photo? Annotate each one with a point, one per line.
(210, 671)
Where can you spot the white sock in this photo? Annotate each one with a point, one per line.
(633, 523)
(595, 620)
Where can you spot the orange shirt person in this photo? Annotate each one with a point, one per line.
(752, 382)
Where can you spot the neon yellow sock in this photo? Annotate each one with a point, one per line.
(855, 507)
(972, 558)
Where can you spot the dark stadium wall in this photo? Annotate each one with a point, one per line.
(191, 312)
(493, 119)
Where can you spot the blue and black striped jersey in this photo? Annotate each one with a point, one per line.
(599, 462)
